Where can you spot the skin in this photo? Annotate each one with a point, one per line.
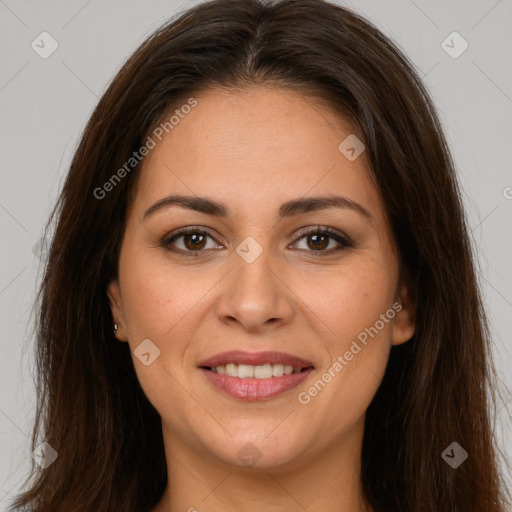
(254, 150)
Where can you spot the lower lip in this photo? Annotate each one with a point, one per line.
(255, 389)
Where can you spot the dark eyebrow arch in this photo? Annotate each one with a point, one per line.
(288, 209)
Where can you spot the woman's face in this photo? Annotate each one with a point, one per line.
(253, 277)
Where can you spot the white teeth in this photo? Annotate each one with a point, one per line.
(248, 371)
(245, 371)
(277, 370)
(263, 372)
(231, 370)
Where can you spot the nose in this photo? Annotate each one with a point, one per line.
(254, 296)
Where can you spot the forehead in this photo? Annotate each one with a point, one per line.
(254, 147)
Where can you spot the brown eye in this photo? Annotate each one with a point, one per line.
(194, 241)
(318, 239)
(189, 241)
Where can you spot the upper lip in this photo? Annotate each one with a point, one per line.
(255, 359)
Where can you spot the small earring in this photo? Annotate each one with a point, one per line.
(115, 328)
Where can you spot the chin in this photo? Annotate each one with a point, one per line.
(255, 451)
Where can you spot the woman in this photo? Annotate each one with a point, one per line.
(260, 291)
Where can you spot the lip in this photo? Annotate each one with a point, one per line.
(256, 389)
(255, 359)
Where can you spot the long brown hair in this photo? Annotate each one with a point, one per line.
(438, 387)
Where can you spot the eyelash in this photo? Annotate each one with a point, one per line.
(343, 240)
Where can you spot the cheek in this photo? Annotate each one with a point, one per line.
(159, 299)
(351, 298)
(350, 303)
(155, 302)
(149, 298)
(358, 344)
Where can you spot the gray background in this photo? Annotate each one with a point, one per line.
(46, 102)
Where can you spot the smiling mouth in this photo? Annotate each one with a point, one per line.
(256, 382)
(264, 371)
(255, 376)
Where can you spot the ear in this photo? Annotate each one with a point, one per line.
(114, 297)
(404, 322)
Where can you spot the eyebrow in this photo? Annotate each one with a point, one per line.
(288, 209)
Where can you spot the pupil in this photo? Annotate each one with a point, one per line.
(195, 239)
(320, 245)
